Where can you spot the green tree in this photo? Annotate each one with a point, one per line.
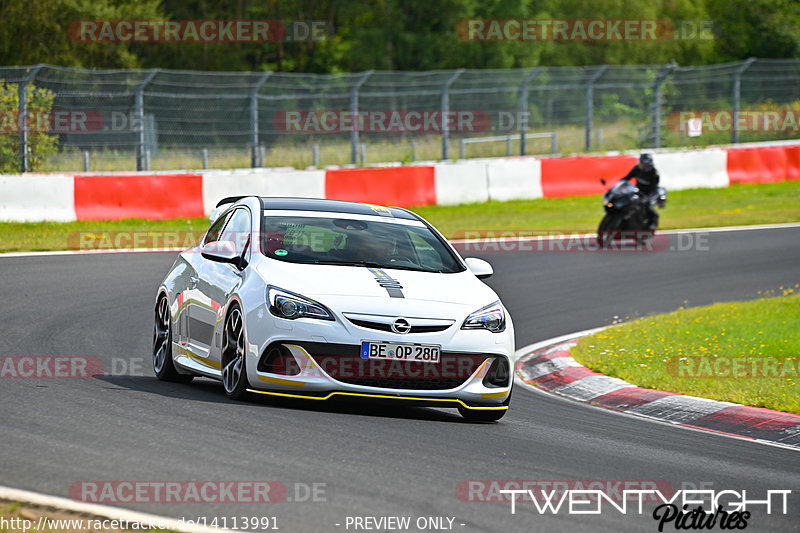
(397, 34)
(755, 28)
(38, 31)
(40, 143)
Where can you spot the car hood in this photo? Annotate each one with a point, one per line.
(350, 283)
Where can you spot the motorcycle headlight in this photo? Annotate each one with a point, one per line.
(286, 304)
(491, 317)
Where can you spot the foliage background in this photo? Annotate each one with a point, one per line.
(394, 34)
(40, 143)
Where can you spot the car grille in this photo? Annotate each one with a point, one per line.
(380, 326)
(343, 362)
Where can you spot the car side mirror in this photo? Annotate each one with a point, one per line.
(482, 269)
(221, 252)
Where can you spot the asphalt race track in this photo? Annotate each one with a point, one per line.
(373, 460)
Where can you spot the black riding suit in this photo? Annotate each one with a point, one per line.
(647, 182)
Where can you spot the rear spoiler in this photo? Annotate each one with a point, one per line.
(231, 199)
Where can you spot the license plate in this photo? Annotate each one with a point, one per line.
(423, 353)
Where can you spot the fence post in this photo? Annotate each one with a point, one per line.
(315, 155)
(590, 104)
(354, 110)
(523, 108)
(140, 155)
(554, 140)
(445, 109)
(205, 158)
(462, 149)
(737, 95)
(22, 117)
(658, 99)
(86, 161)
(254, 118)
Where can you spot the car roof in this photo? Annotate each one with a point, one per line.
(334, 206)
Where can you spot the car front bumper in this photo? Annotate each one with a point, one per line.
(326, 364)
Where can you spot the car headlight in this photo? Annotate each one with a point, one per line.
(286, 304)
(491, 317)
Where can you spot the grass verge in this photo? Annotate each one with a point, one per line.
(736, 205)
(18, 517)
(741, 352)
(693, 208)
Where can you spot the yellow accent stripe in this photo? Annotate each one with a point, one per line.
(308, 355)
(365, 395)
(205, 360)
(478, 373)
(494, 395)
(280, 381)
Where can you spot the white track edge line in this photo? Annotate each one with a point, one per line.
(113, 513)
(720, 229)
(524, 353)
(91, 252)
(546, 237)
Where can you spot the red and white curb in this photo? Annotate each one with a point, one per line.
(147, 521)
(548, 366)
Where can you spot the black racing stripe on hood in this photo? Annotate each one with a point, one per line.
(391, 285)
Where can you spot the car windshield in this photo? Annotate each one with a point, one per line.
(352, 240)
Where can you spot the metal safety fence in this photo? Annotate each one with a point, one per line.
(57, 118)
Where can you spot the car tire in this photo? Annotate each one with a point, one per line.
(609, 228)
(234, 364)
(163, 365)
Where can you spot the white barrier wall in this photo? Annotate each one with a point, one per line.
(220, 184)
(514, 179)
(35, 197)
(692, 169)
(464, 182)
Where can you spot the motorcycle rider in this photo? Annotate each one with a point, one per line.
(647, 179)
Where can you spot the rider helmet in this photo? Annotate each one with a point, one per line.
(646, 162)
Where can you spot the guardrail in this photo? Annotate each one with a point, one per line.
(462, 152)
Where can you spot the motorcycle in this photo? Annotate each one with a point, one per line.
(627, 210)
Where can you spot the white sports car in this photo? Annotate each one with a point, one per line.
(320, 299)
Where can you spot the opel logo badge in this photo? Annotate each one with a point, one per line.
(401, 326)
